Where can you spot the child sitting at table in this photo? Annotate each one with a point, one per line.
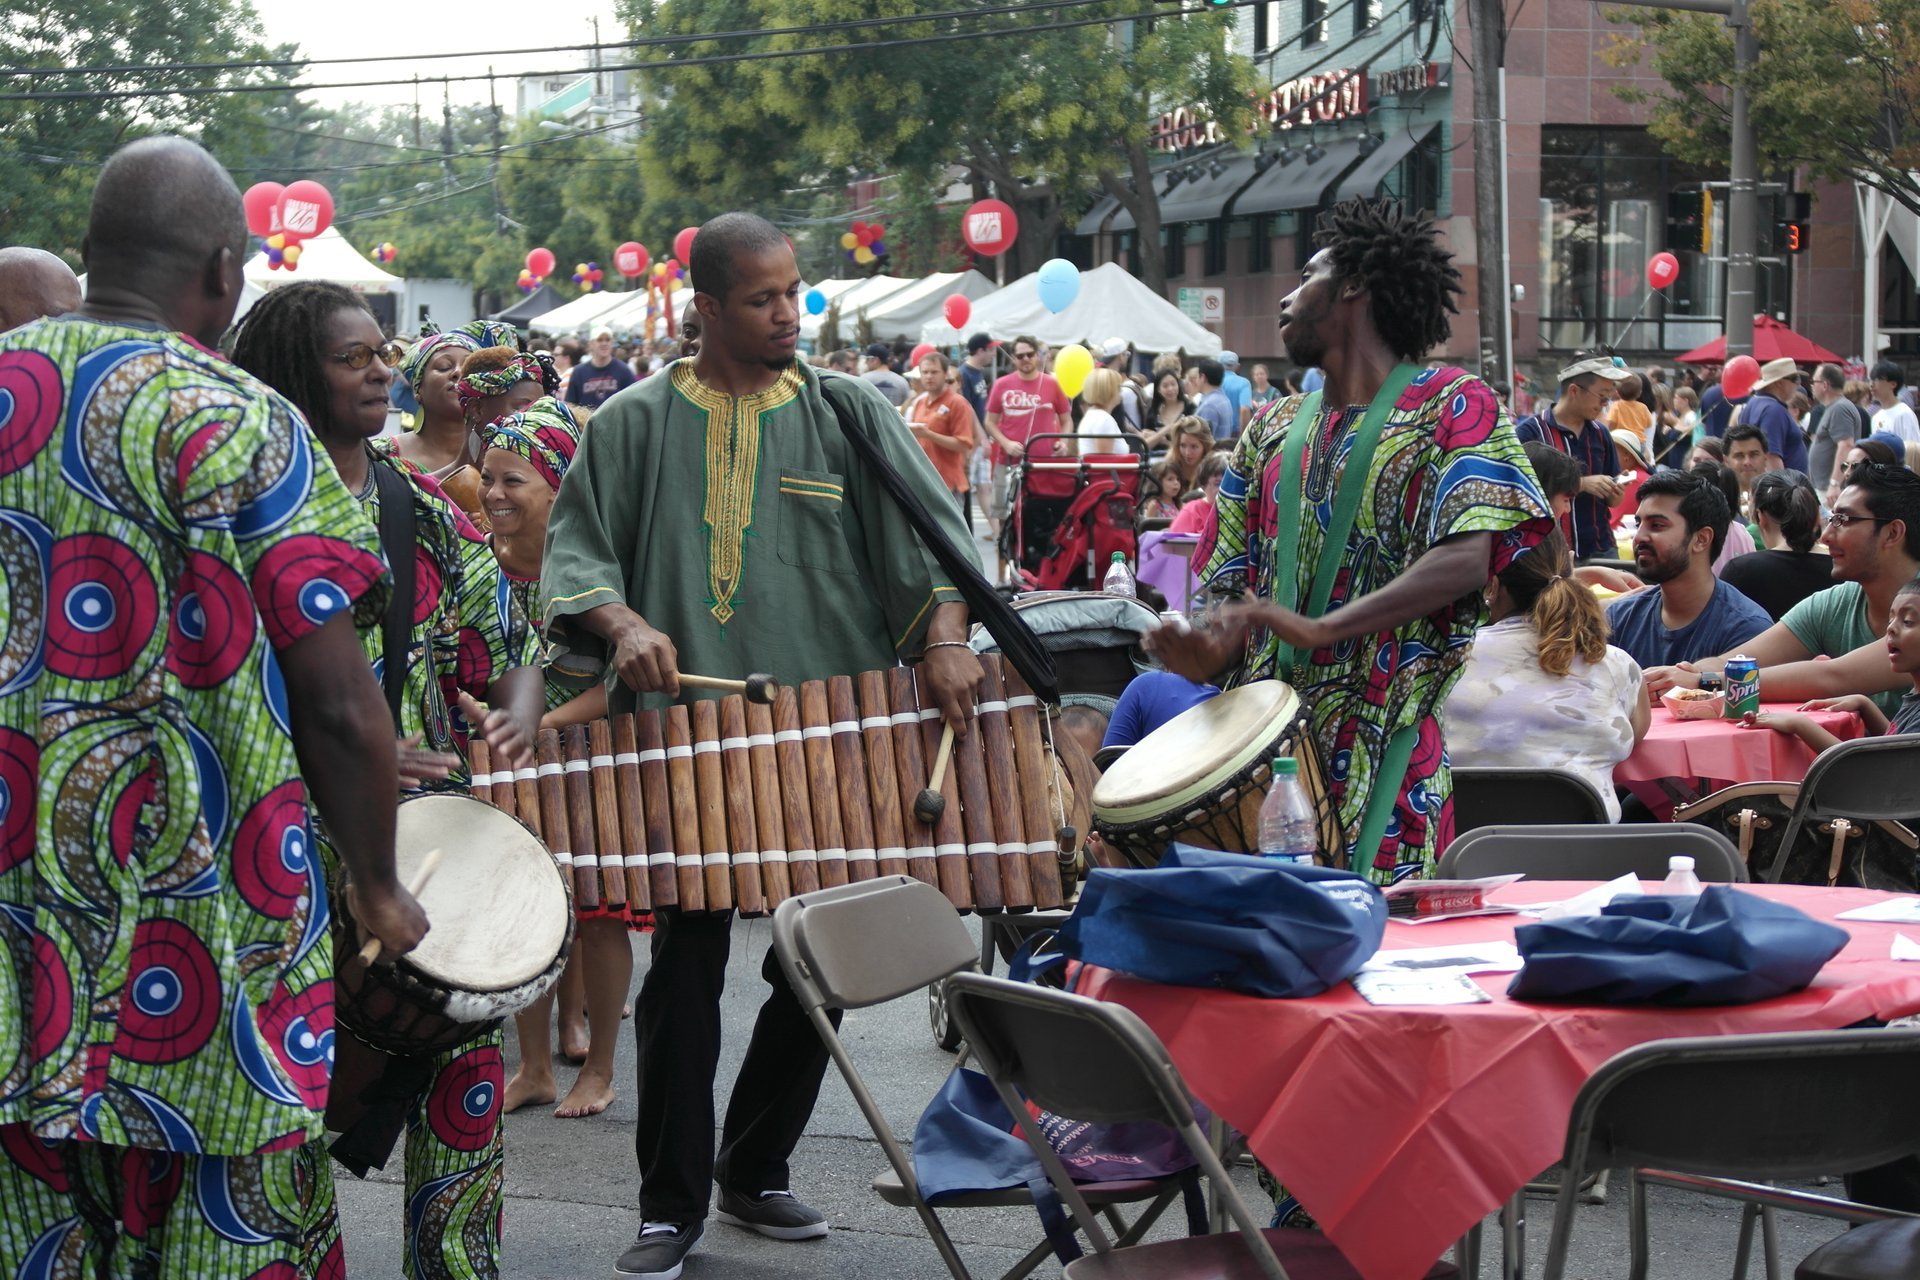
(1903, 648)
(1163, 492)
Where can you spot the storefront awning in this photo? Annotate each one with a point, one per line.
(1299, 185)
(1197, 199)
(1364, 179)
(1093, 222)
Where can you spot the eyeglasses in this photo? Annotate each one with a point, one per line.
(360, 355)
(1846, 520)
(1025, 355)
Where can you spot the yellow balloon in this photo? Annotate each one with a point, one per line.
(1071, 365)
(863, 255)
(849, 241)
(290, 254)
(276, 241)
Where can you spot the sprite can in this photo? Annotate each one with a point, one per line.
(1743, 686)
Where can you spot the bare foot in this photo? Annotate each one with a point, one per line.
(626, 1011)
(591, 1094)
(523, 1090)
(573, 1041)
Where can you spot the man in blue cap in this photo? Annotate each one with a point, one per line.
(1238, 389)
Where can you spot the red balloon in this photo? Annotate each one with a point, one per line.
(1662, 270)
(920, 353)
(262, 203)
(878, 232)
(989, 227)
(540, 261)
(683, 243)
(1737, 379)
(958, 309)
(306, 209)
(859, 228)
(631, 258)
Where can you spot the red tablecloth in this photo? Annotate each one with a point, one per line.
(1399, 1128)
(1724, 751)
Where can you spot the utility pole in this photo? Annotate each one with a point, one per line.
(1743, 197)
(493, 170)
(1488, 18)
(446, 132)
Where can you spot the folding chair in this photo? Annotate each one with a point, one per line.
(1592, 853)
(872, 941)
(1700, 1113)
(1867, 780)
(1098, 1062)
(1487, 797)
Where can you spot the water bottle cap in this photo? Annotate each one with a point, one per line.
(1286, 767)
(1118, 557)
(1679, 862)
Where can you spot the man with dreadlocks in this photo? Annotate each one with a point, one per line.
(1365, 519)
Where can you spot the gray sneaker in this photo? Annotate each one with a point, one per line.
(659, 1251)
(774, 1214)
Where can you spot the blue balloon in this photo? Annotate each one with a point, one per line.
(1059, 284)
(816, 302)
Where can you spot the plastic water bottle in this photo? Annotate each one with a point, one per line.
(1289, 831)
(1680, 879)
(1119, 579)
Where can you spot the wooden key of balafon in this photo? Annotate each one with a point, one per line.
(1036, 767)
(627, 800)
(480, 764)
(850, 771)
(606, 817)
(552, 799)
(656, 810)
(710, 797)
(586, 843)
(1003, 785)
(743, 836)
(909, 763)
(690, 884)
(816, 733)
(429, 863)
(767, 820)
(976, 816)
(883, 778)
(949, 835)
(796, 793)
(759, 688)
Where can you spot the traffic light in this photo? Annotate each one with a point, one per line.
(1690, 221)
(1794, 232)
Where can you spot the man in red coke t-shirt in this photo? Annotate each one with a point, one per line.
(1021, 404)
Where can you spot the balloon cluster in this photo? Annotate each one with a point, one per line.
(866, 243)
(1058, 286)
(384, 252)
(631, 259)
(540, 264)
(284, 216)
(588, 276)
(669, 275)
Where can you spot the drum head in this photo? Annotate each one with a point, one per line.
(1193, 754)
(497, 906)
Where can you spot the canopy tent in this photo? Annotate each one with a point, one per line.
(903, 314)
(630, 317)
(327, 256)
(851, 296)
(1111, 303)
(250, 293)
(582, 314)
(530, 308)
(1771, 341)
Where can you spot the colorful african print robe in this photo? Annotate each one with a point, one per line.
(1447, 463)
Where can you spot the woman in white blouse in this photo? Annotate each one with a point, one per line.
(1100, 395)
(1542, 687)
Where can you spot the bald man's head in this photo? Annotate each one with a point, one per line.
(34, 283)
(167, 228)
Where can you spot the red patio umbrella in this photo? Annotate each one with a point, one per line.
(1771, 341)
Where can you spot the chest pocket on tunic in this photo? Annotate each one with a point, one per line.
(810, 535)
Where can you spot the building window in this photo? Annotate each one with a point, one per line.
(1266, 27)
(1260, 244)
(1127, 249)
(1173, 242)
(1313, 23)
(1367, 14)
(1216, 247)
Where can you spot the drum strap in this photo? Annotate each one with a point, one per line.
(397, 537)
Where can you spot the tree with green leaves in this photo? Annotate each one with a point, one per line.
(1834, 90)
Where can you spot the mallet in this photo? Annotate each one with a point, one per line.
(930, 804)
(757, 688)
(428, 865)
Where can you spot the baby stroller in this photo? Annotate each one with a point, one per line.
(1095, 640)
(1070, 514)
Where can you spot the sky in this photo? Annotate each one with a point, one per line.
(420, 29)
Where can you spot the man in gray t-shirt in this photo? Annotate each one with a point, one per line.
(881, 374)
(1838, 428)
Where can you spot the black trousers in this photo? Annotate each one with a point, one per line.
(677, 1026)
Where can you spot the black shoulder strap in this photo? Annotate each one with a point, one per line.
(1017, 641)
(397, 536)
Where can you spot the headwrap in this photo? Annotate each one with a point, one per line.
(467, 337)
(544, 433)
(528, 366)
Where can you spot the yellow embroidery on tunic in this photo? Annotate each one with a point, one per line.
(733, 463)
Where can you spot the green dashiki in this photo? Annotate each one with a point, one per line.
(747, 529)
(1447, 463)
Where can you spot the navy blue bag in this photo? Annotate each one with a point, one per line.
(1722, 947)
(1207, 919)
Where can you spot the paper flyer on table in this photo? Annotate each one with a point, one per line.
(1464, 957)
(1893, 911)
(1588, 903)
(1905, 948)
(1447, 986)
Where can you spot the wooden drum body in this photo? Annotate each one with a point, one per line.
(1200, 778)
(500, 931)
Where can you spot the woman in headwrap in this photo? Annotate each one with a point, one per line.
(526, 457)
(443, 443)
(497, 381)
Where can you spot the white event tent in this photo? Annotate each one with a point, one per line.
(583, 314)
(327, 256)
(852, 297)
(1111, 303)
(903, 313)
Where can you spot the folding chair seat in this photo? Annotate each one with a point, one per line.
(863, 944)
(1866, 780)
(1602, 852)
(1490, 797)
(1099, 1062)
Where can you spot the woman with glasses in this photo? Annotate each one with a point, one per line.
(317, 344)
(1786, 570)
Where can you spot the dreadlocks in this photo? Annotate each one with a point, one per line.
(279, 343)
(1397, 258)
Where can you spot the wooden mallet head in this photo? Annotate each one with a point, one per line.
(761, 688)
